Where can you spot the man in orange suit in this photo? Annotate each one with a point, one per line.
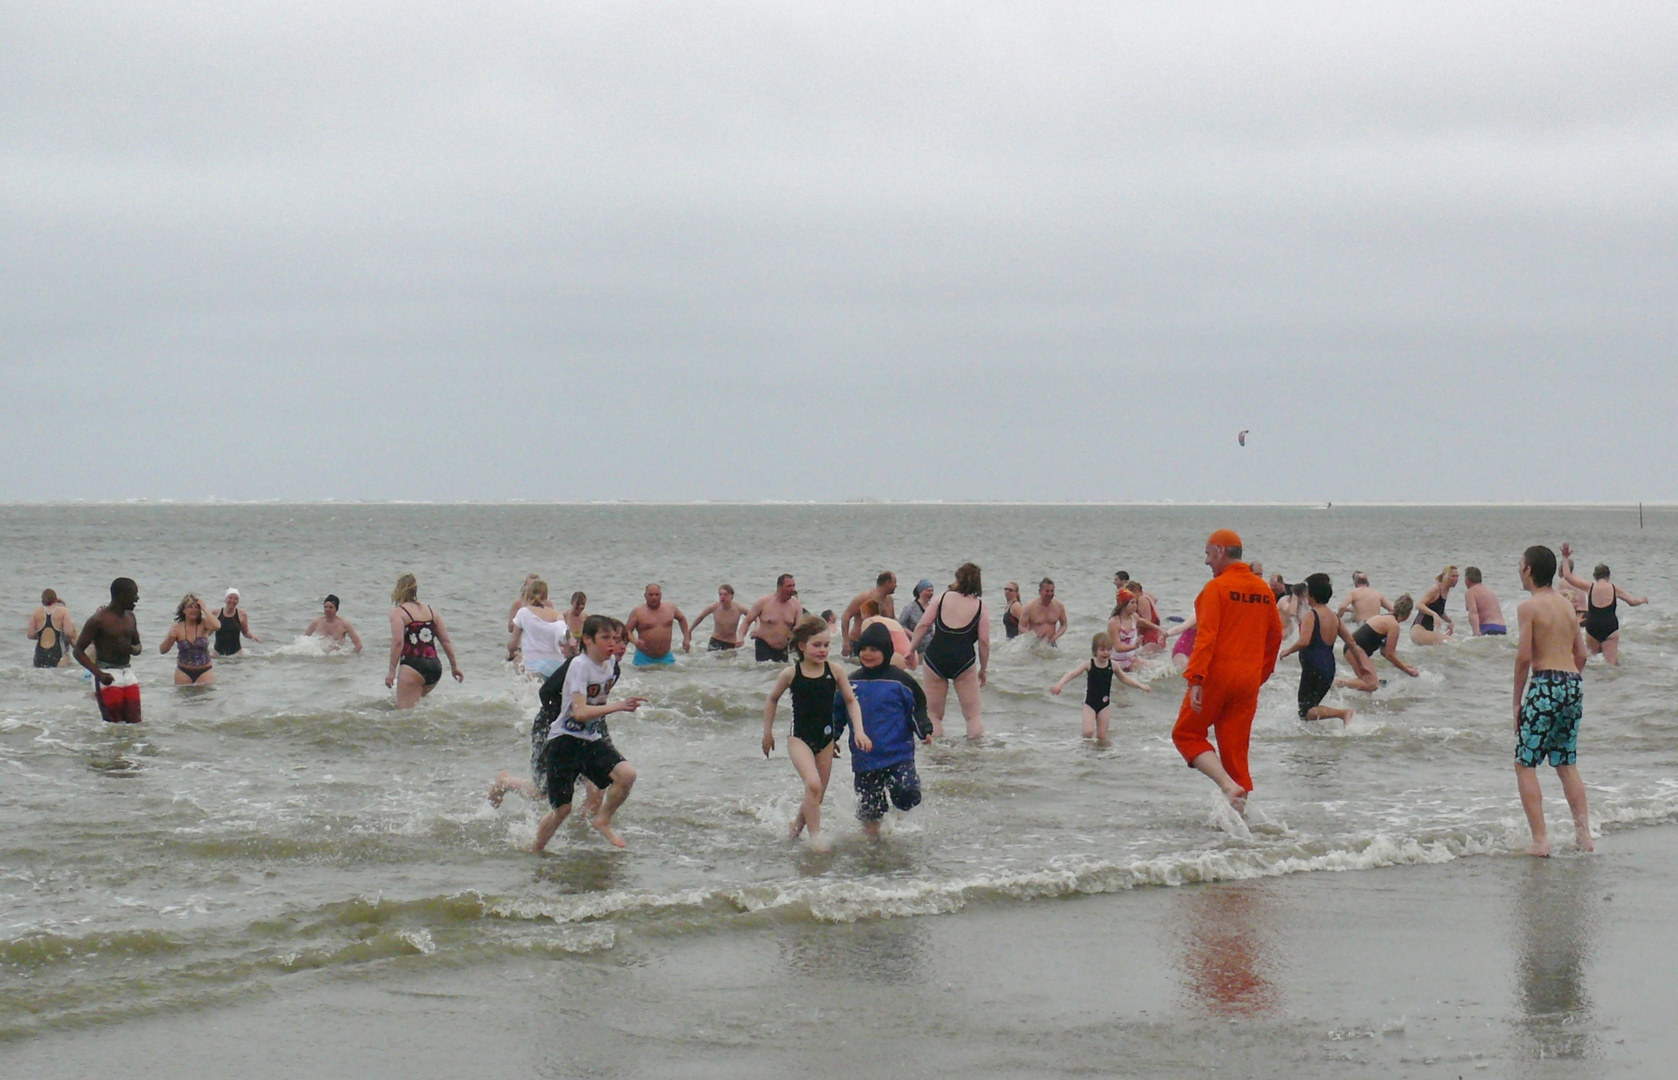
(1235, 646)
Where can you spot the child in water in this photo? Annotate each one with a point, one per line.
(895, 707)
(1098, 690)
(815, 684)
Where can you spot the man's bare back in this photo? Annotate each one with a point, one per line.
(1364, 602)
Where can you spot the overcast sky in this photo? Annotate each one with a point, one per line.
(556, 252)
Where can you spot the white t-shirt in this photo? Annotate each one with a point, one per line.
(542, 639)
(593, 681)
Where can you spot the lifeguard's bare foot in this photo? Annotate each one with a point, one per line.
(603, 826)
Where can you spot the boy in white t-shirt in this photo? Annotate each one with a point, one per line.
(578, 743)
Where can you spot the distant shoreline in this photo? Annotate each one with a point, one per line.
(1169, 505)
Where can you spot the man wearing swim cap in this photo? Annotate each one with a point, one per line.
(1238, 636)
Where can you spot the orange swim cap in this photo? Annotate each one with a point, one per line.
(1224, 538)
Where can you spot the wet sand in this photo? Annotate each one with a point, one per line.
(1490, 966)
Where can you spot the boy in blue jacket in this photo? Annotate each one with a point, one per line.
(894, 713)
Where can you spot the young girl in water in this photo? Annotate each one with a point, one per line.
(1125, 627)
(1098, 690)
(814, 683)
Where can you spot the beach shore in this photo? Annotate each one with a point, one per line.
(1491, 966)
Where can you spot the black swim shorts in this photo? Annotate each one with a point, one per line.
(567, 758)
(899, 782)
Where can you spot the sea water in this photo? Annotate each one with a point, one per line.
(290, 820)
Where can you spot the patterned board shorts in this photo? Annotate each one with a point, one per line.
(1550, 714)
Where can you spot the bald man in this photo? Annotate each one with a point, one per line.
(1238, 633)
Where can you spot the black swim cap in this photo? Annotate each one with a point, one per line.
(876, 637)
(333, 600)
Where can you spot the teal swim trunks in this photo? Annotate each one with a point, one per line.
(643, 660)
(1550, 714)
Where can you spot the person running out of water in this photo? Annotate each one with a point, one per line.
(650, 628)
(1318, 629)
(1147, 614)
(1238, 637)
(115, 637)
(574, 616)
(332, 626)
(578, 742)
(893, 706)
(1424, 631)
(959, 653)
(1362, 601)
(1602, 599)
(850, 621)
(915, 610)
(1379, 636)
(416, 630)
(232, 623)
(1185, 633)
(1045, 616)
(725, 617)
(816, 685)
(1485, 614)
(905, 657)
(539, 632)
(1012, 609)
(775, 616)
(1098, 688)
(1125, 627)
(1549, 699)
(190, 634)
(50, 626)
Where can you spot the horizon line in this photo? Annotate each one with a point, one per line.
(1151, 503)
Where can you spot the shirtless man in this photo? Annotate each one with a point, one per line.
(649, 629)
(329, 625)
(775, 616)
(115, 638)
(850, 623)
(1363, 601)
(1548, 699)
(727, 614)
(1485, 614)
(1045, 616)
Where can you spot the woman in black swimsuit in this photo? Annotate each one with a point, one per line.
(416, 630)
(1378, 635)
(1602, 601)
(960, 629)
(1431, 611)
(1011, 610)
(815, 684)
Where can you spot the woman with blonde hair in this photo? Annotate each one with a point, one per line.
(190, 633)
(539, 633)
(1423, 631)
(415, 632)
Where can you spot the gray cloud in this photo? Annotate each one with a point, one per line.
(612, 251)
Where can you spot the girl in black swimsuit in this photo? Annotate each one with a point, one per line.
(953, 651)
(1098, 688)
(815, 684)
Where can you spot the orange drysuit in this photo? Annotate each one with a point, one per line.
(1235, 646)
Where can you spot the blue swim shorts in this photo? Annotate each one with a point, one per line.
(643, 660)
(1550, 714)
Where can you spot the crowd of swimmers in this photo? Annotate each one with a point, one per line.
(1226, 650)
